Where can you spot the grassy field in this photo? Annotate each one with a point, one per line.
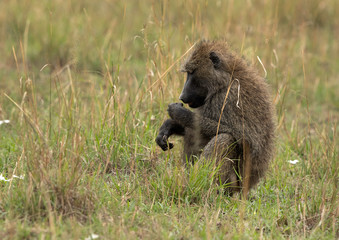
(86, 84)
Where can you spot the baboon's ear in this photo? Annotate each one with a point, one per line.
(215, 59)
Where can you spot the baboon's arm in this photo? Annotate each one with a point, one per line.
(168, 128)
(186, 118)
(209, 127)
(181, 115)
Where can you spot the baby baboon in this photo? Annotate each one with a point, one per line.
(233, 120)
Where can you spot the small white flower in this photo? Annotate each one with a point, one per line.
(2, 178)
(92, 236)
(4, 121)
(20, 177)
(293, 161)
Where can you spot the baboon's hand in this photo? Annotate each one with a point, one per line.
(162, 141)
(168, 128)
(180, 114)
(165, 131)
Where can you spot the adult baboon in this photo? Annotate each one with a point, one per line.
(233, 120)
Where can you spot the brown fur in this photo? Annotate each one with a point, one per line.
(236, 112)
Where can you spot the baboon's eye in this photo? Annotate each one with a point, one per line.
(215, 59)
(191, 71)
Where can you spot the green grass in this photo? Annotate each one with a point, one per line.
(86, 85)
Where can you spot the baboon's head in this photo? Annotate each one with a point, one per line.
(207, 72)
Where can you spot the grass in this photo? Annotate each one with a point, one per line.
(86, 85)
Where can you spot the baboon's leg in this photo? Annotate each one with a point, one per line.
(224, 149)
(250, 168)
(191, 146)
(255, 176)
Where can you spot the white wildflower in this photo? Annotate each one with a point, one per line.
(20, 177)
(2, 178)
(4, 121)
(293, 161)
(92, 236)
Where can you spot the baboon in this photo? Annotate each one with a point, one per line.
(233, 121)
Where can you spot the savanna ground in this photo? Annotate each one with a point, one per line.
(86, 84)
